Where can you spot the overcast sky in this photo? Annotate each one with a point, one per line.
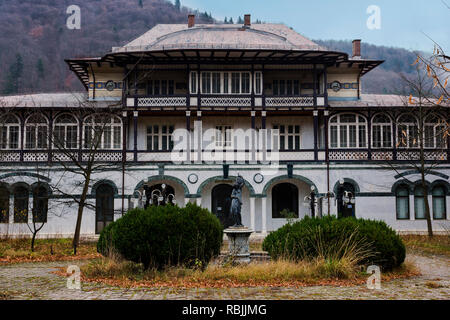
(404, 23)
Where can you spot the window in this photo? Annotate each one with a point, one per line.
(9, 132)
(160, 87)
(36, 134)
(381, 132)
(225, 82)
(104, 207)
(223, 136)
(284, 197)
(402, 202)
(407, 132)
(4, 205)
(159, 138)
(286, 87)
(193, 82)
(419, 203)
(102, 131)
(435, 129)
(40, 204)
(258, 82)
(439, 207)
(65, 131)
(348, 131)
(289, 137)
(21, 204)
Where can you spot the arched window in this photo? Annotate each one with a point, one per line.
(102, 131)
(65, 132)
(381, 131)
(36, 132)
(9, 132)
(435, 129)
(21, 196)
(402, 202)
(419, 203)
(104, 207)
(284, 197)
(407, 132)
(4, 205)
(40, 204)
(439, 207)
(348, 131)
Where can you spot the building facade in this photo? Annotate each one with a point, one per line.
(184, 109)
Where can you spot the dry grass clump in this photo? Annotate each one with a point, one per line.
(438, 244)
(18, 250)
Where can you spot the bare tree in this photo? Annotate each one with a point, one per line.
(99, 132)
(422, 133)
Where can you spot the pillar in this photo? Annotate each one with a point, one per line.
(252, 213)
(264, 215)
(135, 124)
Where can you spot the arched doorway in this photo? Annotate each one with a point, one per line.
(284, 197)
(159, 195)
(104, 207)
(221, 202)
(345, 210)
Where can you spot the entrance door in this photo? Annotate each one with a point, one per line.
(221, 202)
(345, 210)
(104, 207)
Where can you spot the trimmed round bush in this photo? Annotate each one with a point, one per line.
(374, 241)
(161, 236)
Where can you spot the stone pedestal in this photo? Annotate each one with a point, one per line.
(238, 238)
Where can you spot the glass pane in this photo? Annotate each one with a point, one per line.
(402, 207)
(334, 136)
(376, 136)
(13, 137)
(275, 88)
(193, 82)
(343, 133)
(117, 137)
(225, 82)
(439, 207)
(362, 136)
(235, 82)
(438, 191)
(30, 135)
(245, 82)
(419, 207)
(42, 137)
(215, 82)
(387, 141)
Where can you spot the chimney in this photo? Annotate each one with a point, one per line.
(356, 52)
(191, 20)
(247, 21)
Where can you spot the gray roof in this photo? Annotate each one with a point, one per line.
(51, 100)
(378, 100)
(220, 36)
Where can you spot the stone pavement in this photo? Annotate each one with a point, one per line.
(35, 281)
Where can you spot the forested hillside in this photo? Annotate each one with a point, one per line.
(34, 41)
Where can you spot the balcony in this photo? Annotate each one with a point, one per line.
(223, 101)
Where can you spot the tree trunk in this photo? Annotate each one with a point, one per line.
(76, 236)
(33, 238)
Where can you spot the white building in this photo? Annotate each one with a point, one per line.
(227, 82)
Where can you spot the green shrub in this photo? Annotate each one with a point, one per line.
(164, 236)
(368, 241)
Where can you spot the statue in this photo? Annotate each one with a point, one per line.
(236, 202)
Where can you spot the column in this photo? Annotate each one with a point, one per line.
(199, 201)
(252, 213)
(369, 135)
(199, 130)
(11, 207)
(186, 201)
(264, 214)
(316, 131)
(188, 131)
(264, 136)
(135, 124)
(253, 138)
(22, 137)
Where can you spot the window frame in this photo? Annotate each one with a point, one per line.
(7, 144)
(408, 126)
(206, 88)
(65, 126)
(283, 137)
(397, 199)
(435, 127)
(382, 127)
(160, 135)
(444, 201)
(339, 125)
(111, 126)
(35, 127)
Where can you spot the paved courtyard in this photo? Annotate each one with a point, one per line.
(35, 281)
